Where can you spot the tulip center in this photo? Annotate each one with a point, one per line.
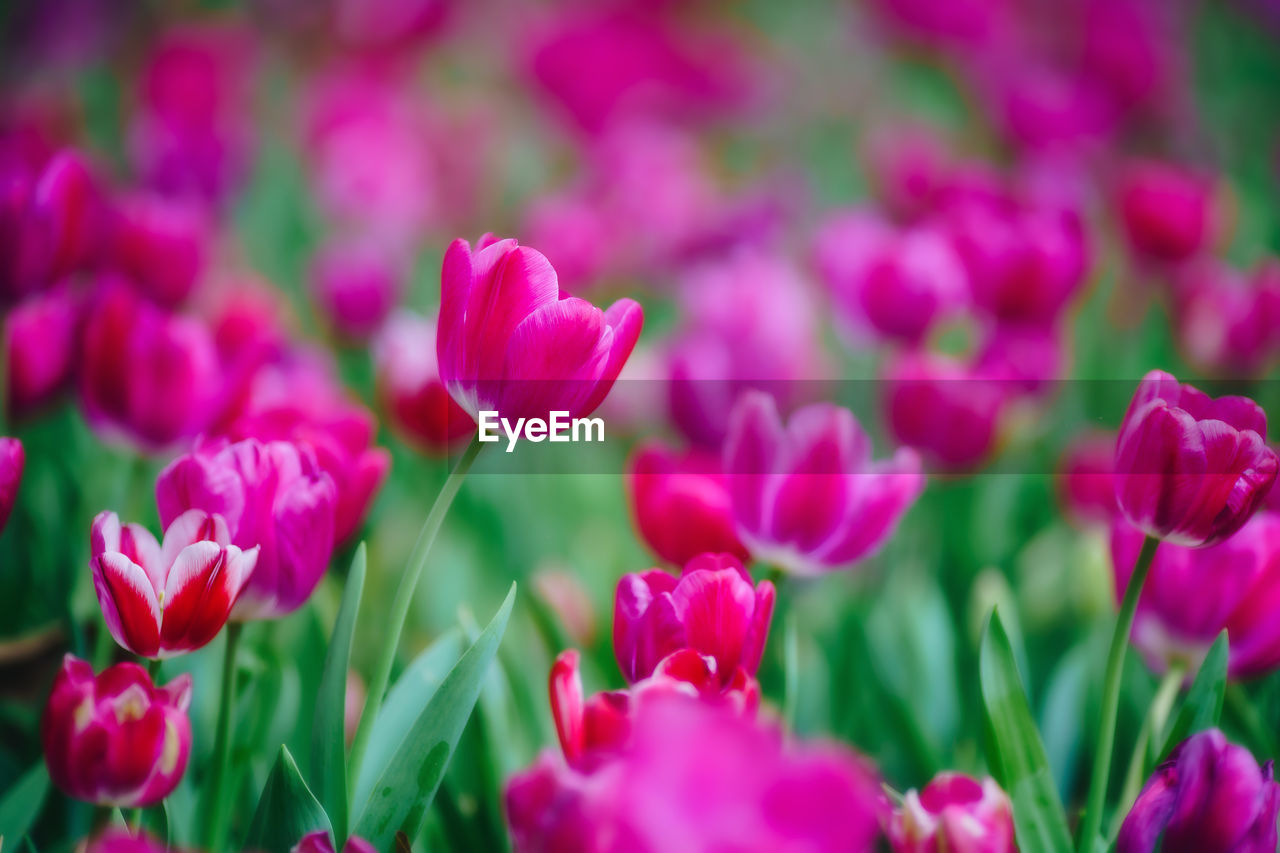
(131, 705)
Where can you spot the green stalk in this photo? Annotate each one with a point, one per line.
(1157, 714)
(401, 603)
(1111, 698)
(217, 798)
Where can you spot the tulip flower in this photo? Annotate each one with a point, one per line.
(116, 739)
(1167, 211)
(356, 286)
(953, 812)
(164, 599)
(1190, 469)
(41, 337)
(409, 384)
(161, 244)
(681, 504)
(1209, 795)
(118, 839)
(588, 729)
(1086, 488)
(509, 342)
(320, 842)
(1227, 320)
(711, 608)
(274, 497)
(12, 460)
(807, 497)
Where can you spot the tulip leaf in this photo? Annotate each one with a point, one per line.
(1014, 750)
(328, 736)
(21, 805)
(403, 791)
(287, 810)
(1203, 705)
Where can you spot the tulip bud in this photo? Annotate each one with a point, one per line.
(356, 286)
(1086, 488)
(509, 343)
(274, 497)
(41, 336)
(161, 245)
(807, 497)
(1209, 795)
(320, 842)
(1191, 469)
(711, 609)
(1226, 319)
(947, 410)
(953, 812)
(681, 504)
(116, 739)
(1167, 211)
(118, 839)
(12, 460)
(160, 600)
(410, 387)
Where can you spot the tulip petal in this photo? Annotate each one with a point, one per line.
(553, 360)
(198, 597)
(750, 454)
(129, 603)
(626, 318)
(716, 610)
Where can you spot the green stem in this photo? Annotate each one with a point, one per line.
(1111, 698)
(153, 669)
(402, 601)
(1157, 714)
(1246, 715)
(216, 804)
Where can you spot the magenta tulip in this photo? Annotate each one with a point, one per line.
(1086, 485)
(681, 504)
(510, 342)
(13, 459)
(589, 729)
(1209, 795)
(1227, 320)
(164, 599)
(41, 336)
(116, 739)
(953, 812)
(118, 839)
(1191, 469)
(711, 608)
(273, 496)
(807, 497)
(161, 244)
(1167, 211)
(356, 286)
(320, 842)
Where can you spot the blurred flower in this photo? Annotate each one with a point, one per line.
(1191, 469)
(508, 342)
(387, 25)
(561, 590)
(897, 283)
(161, 600)
(908, 166)
(1192, 594)
(41, 336)
(356, 286)
(410, 388)
(1086, 488)
(1029, 358)
(161, 244)
(943, 408)
(953, 812)
(588, 729)
(320, 842)
(146, 372)
(1167, 211)
(273, 496)
(116, 739)
(1227, 321)
(13, 459)
(1209, 795)
(807, 497)
(711, 608)
(119, 839)
(681, 503)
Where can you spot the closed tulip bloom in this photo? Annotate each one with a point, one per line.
(1210, 795)
(807, 497)
(356, 286)
(413, 396)
(116, 739)
(510, 342)
(13, 459)
(41, 339)
(1191, 469)
(1167, 211)
(953, 812)
(161, 244)
(164, 599)
(681, 503)
(1086, 488)
(273, 496)
(1227, 320)
(711, 608)
(320, 842)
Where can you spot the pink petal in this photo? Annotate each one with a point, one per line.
(750, 455)
(128, 602)
(552, 360)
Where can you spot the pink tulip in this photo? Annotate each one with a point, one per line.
(681, 503)
(1191, 469)
(410, 388)
(1194, 593)
(953, 812)
(807, 497)
(166, 599)
(144, 372)
(273, 496)
(320, 842)
(947, 410)
(116, 739)
(12, 460)
(1086, 488)
(588, 728)
(508, 341)
(1167, 211)
(908, 166)
(118, 839)
(711, 608)
(1227, 320)
(356, 286)
(41, 334)
(388, 25)
(161, 245)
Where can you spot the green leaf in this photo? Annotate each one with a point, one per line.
(328, 733)
(1203, 705)
(287, 810)
(21, 805)
(404, 790)
(1015, 753)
